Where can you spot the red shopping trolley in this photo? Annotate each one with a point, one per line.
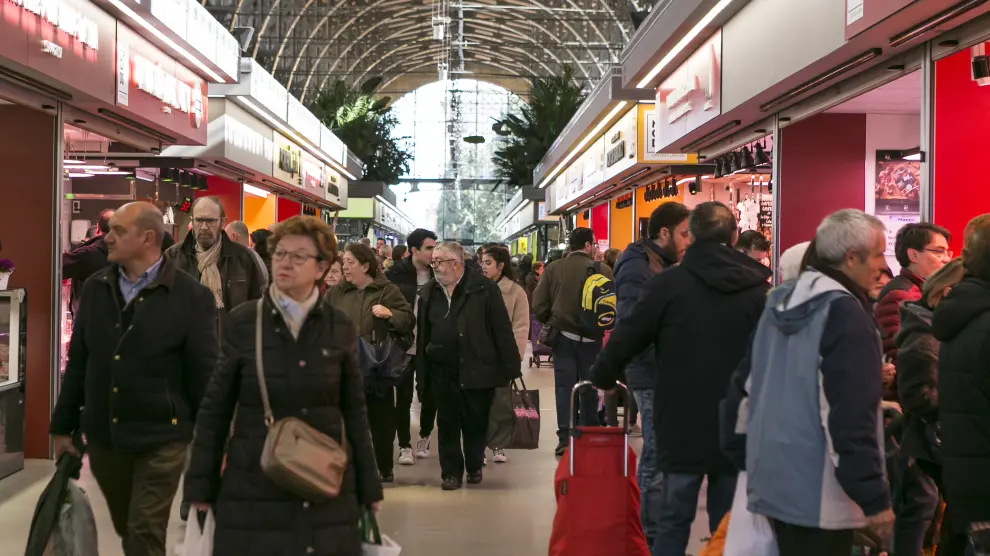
(597, 495)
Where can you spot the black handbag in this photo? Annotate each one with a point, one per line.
(382, 359)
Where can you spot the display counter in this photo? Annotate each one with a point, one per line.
(13, 343)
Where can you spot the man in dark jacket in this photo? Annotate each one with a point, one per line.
(699, 317)
(962, 324)
(87, 259)
(465, 349)
(668, 240)
(410, 274)
(143, 347)
(557, 304)
(228, 269)
(921, 249)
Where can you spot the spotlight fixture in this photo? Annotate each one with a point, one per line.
(168, 175)
(747, 158)
(674, 191)
(185, 180)
(695, 187)
(761, 155)
(718, 167)
(736, 164)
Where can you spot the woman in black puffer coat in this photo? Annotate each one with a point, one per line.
(312, 373)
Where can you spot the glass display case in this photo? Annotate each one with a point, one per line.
(13, 346)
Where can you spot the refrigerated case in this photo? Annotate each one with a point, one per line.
(13, 346)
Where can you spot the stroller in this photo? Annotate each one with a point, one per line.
(535, 328)
(598, 510)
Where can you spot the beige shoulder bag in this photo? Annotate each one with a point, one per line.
(296, 456)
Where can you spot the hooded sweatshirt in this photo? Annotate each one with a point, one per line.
(699, 317)
(962, 324)
(814, 444)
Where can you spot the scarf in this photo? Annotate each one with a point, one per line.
(293, 312)
(209, 271)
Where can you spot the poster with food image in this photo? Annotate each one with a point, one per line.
(897, 189)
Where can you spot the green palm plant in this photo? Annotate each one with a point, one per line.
(527, 136)
(366, 125)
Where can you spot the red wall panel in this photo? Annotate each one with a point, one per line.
(962, 116)
(287, 208)
(599, 221)
(26, 228)
(227, 192)
(823, 169)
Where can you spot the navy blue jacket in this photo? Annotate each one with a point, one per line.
(637, 264)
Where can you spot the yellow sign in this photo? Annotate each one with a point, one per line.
(647, 124)
(523, 245)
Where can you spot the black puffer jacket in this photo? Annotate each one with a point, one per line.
(917, 380)
(962, 324)
(315, 378)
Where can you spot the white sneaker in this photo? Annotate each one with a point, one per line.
(499, 456)
(406, 456)
(423, 448)
(485, 460)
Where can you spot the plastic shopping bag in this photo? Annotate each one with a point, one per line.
(199, 540)
(749, 534)
(75, 533)
(374, 543)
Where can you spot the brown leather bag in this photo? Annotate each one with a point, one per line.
(296, 456)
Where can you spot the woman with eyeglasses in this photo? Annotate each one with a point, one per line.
(496, 264)
(368, 298)
(334, 275)
(312, 373)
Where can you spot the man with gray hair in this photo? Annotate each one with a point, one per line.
(699, 317)
(227, 268)
(465, 349)
(143, 348)
(237, 231)
(814, 453)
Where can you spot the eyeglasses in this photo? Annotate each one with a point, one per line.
(298, 258)
(199, 222)
(435, 263)
(939, 252)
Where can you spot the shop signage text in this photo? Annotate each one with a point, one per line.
(615, 155)
(64, 18)
(691, 96)
(246, 139)
(288, 160)
(154, 80)
(48, 47)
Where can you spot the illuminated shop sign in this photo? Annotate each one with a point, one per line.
(153, 79)
(246, 139)
(333, 187)
(65, 18)
(288, 160)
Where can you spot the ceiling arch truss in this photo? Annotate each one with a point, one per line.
(309, 44)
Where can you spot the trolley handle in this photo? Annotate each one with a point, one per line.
(625, 424)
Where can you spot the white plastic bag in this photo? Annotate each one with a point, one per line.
(199, 541)
(749, 534)
(75, 534)
(387, 548)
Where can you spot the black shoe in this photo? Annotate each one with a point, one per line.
(560, 450)
(451, 483)
(389, 478)
(474, 478)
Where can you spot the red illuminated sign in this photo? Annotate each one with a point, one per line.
(68, 43)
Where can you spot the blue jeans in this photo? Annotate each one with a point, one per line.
(679, 507)
(572, 363)
(650, 482)
(915, 501)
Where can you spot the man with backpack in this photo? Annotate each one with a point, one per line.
(699, 317)
(575, 301)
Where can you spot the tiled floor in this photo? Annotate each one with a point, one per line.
(509, 514)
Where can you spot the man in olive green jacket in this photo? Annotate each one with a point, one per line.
(557, 304)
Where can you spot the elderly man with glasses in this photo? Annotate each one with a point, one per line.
(465, 349)
(225, 267)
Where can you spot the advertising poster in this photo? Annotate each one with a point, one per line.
(690, 97)
(898, 198)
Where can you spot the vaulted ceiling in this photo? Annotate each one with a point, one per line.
(309, 44)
